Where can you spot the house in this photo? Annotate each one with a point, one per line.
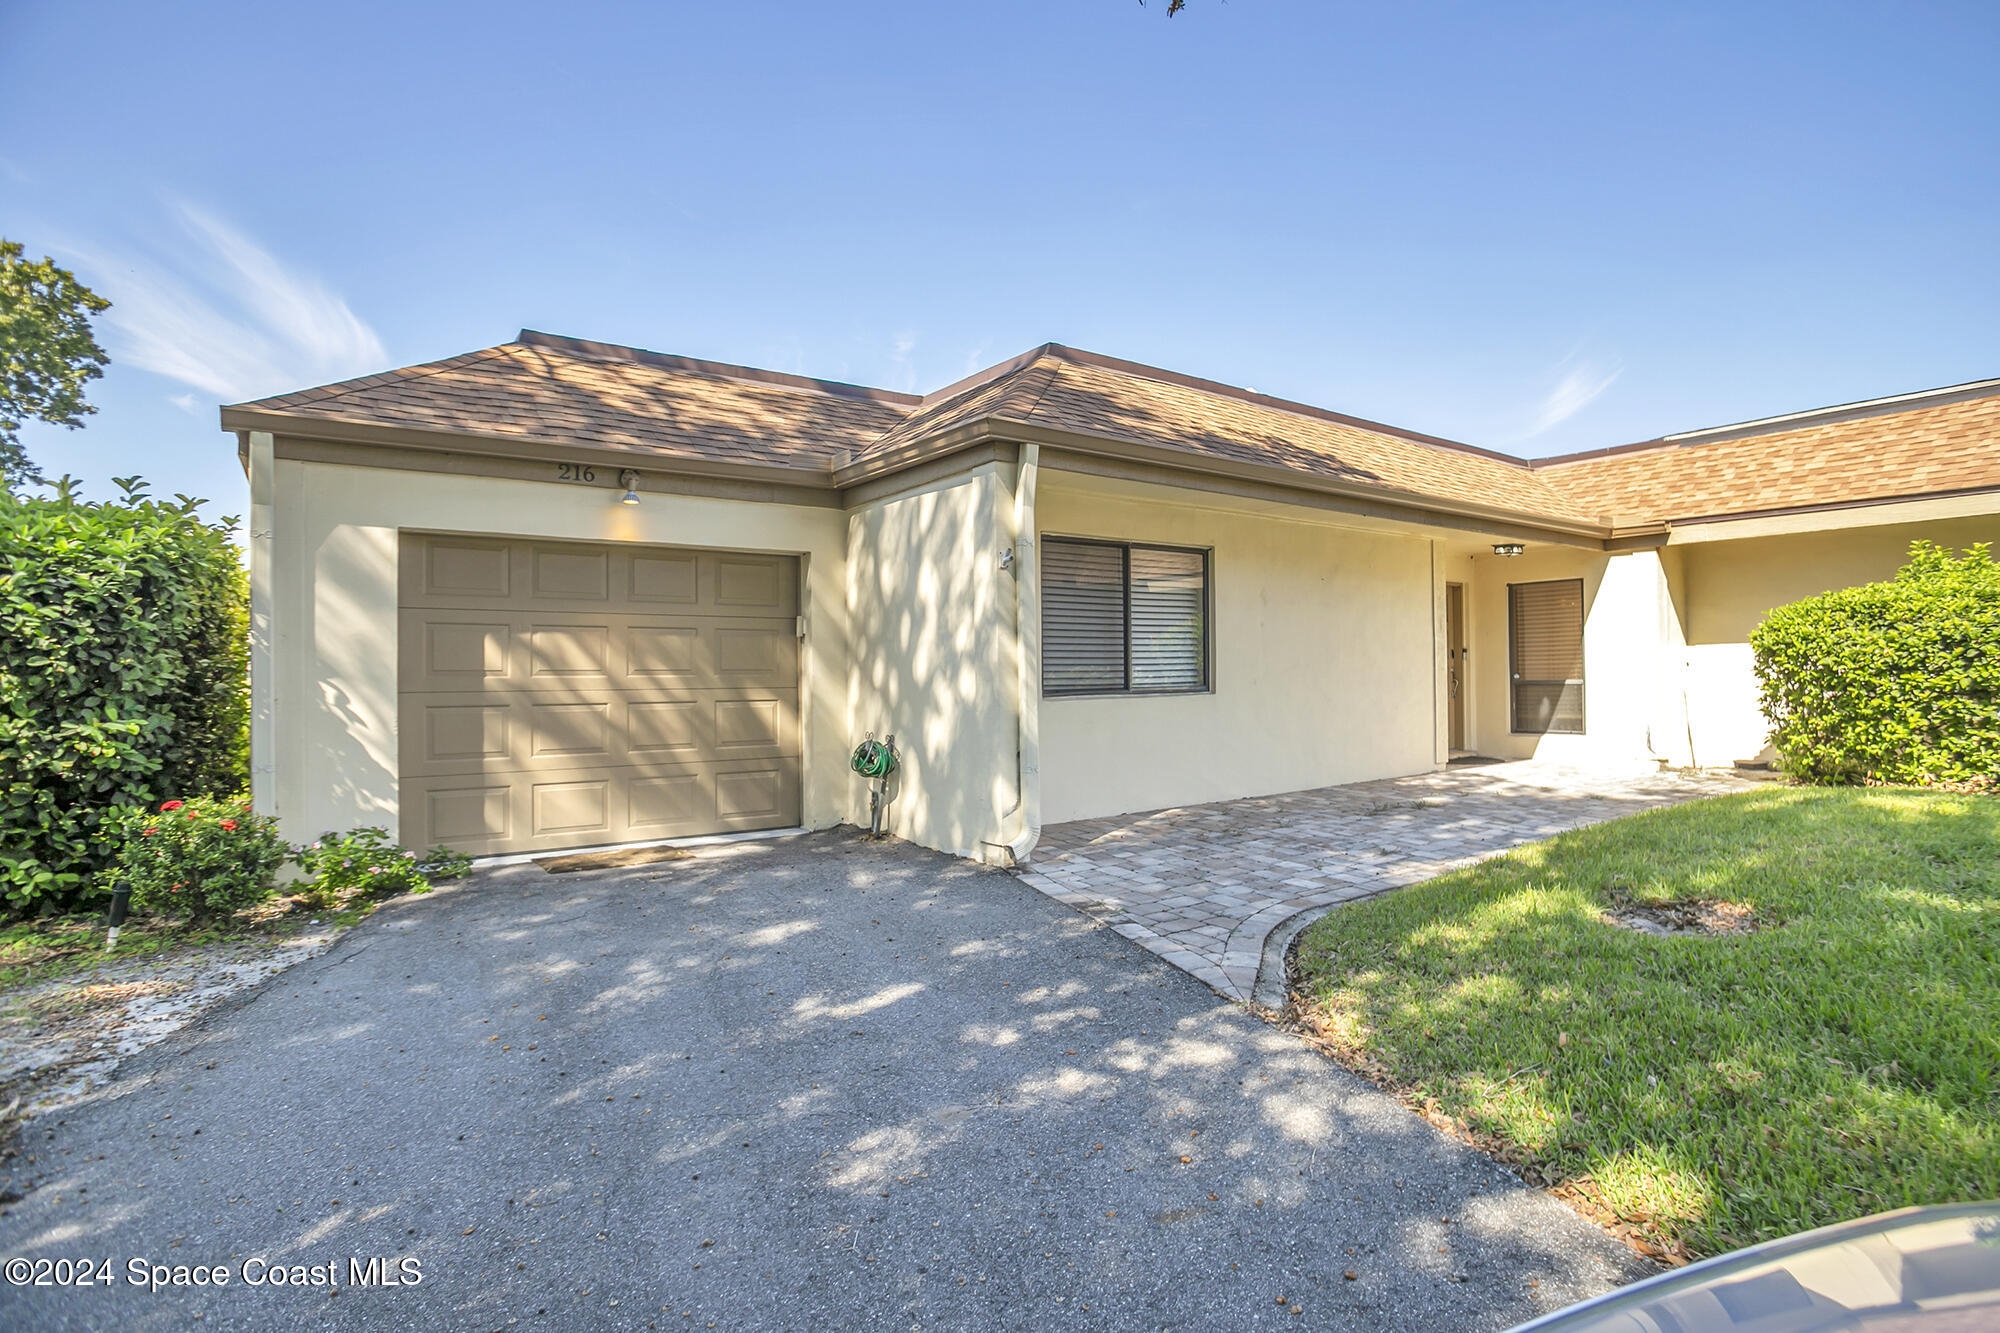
(557, 593)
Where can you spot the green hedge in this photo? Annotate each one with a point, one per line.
(124, 649)
(1889, 682)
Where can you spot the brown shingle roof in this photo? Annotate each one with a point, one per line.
(1906, 449)
(1097, 396)
(548, 389)
(541, 388)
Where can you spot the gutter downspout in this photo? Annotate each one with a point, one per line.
(1023, 825)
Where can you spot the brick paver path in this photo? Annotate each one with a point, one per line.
(1204, 886)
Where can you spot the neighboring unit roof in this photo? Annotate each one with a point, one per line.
(1923, 444)
(564, 390)
(542, 389)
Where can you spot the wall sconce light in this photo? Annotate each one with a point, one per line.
(630, 481)
(1508, 548)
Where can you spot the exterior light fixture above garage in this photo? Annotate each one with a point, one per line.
(1499, 548)
(630, 481)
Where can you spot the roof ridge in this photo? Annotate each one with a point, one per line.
(585, 349)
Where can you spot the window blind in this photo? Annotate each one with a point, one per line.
(1545, 624)
(1169, 606)
(1119, 618)
(1083, 617)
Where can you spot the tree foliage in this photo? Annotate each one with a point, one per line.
(1890, 682)
(124, 654)
(47, 353)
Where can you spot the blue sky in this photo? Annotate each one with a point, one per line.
(1538, 227)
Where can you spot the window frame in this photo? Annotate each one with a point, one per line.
(1514, 727)
(1125, 549)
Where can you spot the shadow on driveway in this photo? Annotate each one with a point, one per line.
(810, 1083)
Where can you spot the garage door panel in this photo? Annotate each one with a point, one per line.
(570, 731)
(665, 579)
(751, 794)
(561, 694)
(748, 725)
(753, 584)
(755, 654)
(571, 576)
(666, 654)
(460, 814)
(456, 649)
(529, 812)
(470, 732)
(569, 651)
(460, 568)
(566, 809)
(469, 735)
(670, 805)
(666, 729)
(458, 572)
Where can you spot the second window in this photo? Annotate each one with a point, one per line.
(1123, 618)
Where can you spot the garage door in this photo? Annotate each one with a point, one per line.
(559, 695)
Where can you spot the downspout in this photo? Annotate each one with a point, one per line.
(1023, 824)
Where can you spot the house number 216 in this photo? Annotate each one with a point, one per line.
(575, 472)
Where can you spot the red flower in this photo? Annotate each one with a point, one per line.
(173, 805)
(229, 824)
(192, 815)
(147, 833)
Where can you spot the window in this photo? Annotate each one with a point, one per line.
(1545, 626)
(1123, 619)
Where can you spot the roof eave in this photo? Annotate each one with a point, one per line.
(333, 430)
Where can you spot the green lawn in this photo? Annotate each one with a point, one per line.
(1714, 1091)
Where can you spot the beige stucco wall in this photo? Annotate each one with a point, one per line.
(931, 613)
(327, 638)
(1667, 667)
(1325, 660)
(1631, 655)
(1732, 585)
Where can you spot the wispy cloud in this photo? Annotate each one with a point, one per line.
(901, 353)
(1580, 381)
(221, 314)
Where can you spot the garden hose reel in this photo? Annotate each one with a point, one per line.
(876, 761)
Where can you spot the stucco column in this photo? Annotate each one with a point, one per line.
(1440, 669)
(1027, 827)
(263, 648)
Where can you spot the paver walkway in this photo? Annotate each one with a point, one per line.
(1206, 886)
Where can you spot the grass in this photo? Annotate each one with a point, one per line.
(1707, 1091)
(44, 948)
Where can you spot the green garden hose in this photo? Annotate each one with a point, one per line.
(873, 759)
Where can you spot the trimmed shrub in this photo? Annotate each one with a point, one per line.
(1890, 682)
(123, 676)
(364, 862)
(200, 858)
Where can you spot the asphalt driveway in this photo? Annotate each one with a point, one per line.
(811, 1083)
